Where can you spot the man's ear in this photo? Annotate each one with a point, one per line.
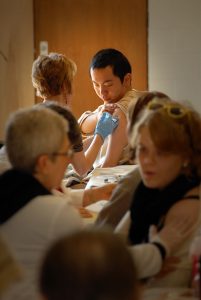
(42, 164)
(127, 80)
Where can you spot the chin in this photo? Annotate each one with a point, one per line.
(150, 184)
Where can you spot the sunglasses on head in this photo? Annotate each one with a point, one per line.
(174, 110)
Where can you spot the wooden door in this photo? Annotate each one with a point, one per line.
(79, 28)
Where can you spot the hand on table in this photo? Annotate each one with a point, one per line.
(84, 213)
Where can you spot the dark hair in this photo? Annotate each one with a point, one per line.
(74, 133)
(136, 108)
(88, 265)
(115, 59)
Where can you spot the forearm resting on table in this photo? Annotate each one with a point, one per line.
(98, 193)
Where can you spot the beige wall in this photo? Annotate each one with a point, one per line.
(16, 57)
(175, 49)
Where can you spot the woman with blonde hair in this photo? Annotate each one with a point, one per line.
(52, 76)
(167, 145)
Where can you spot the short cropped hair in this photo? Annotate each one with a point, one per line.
(114, 58)
(31, 132)
(88, 265)
(49, 72)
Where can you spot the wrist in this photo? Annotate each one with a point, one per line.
(98, 137)
(161, 249)
(158, 240)
(88, 197)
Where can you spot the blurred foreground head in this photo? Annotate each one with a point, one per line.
(88, 265)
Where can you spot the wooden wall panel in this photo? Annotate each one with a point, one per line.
(79, 28)
(16, 57)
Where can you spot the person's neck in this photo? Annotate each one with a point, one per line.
(58, 98)
(43, 180)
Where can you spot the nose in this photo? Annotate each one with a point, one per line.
(149, 158)
(103, 90)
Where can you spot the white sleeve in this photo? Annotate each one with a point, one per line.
(75, 196)
(147, 259)
(66, 220)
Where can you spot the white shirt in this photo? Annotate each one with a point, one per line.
(31, 230)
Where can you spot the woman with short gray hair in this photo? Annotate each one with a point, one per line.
(31, 217)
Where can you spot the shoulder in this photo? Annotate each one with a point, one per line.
(53, 204)
(60, 207)
(129, 97)
(120, 114)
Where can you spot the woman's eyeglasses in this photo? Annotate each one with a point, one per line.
(69, 153)
(174, 110)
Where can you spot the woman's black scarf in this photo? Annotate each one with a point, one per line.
(17, 188)
(149, 206)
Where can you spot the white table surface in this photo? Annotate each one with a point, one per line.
(101, 176)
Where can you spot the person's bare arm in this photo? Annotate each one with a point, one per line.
(89, 120)
(188, 209)
(87, 142)
(104, 127)
(79, 163)
(83, 161)
(117, 141)
(93, 150)
(98, 193)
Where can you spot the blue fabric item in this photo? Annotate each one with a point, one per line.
(106, 125)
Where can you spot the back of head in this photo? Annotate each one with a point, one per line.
(74, 132)
(88, 265)
(50, 72)
(175, 128)
(31, 132)
(136, 108)
(115, 59)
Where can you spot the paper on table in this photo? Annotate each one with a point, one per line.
(96, 207)
(101, 176)
(118, 170)
(102, 180)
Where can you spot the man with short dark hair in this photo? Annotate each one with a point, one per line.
(111, 75)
